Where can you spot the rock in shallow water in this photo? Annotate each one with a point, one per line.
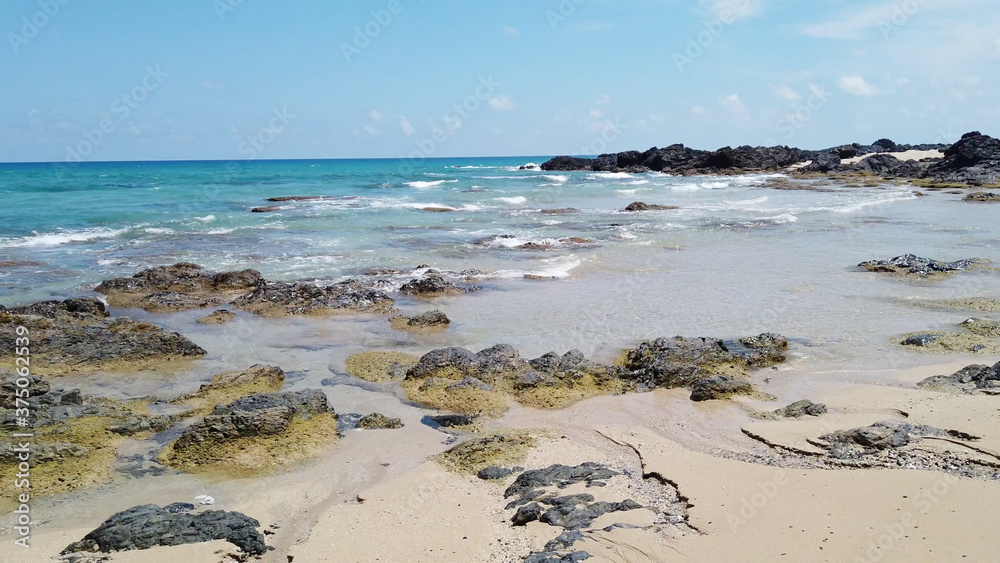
(79, 335)
(378, 421)
(282, 299)
(429, 321)
(178, 287)
(143, 527)
(911, 264)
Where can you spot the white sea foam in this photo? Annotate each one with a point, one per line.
(425, 185)
(627, 192)
(205, 219)
(36, 239)
(556, 178)
(516, 200)
(560, 267)
(158, 231)
(609, 176)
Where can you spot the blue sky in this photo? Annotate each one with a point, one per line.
(230, 79)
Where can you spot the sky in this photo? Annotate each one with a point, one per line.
(97, 80)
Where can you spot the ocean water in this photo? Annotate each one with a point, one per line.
(737, 257)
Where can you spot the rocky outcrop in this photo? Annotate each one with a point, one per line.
(255, 415)
(80, 335)
(910, 264)
(678, 159)
(433, 284)
(282, 299)
(143, 527)
(429, 321)
(974, 160)
(257, 433)
(378, 421)
(887, 166)
(179, 287)
(720, 387)
(481, 383)
(974, 379)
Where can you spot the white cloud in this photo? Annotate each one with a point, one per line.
(596, 113)
(371, 130)
(698, 110)
(786, 93)
(408, 129)
(732, 10)
(734, 106)
(501, 103)
(604, 99)
(856, 86)
(511, 30)
(375, 114)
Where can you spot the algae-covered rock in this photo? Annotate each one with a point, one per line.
(459, 380)
(143, 527)
(79, 335)
(433, 284)
(913, 265)
(378, 421)
(799, 409)
(378, 367)
(74, 437)
(228, 386)
(720, 387)
(219, 317)
(178, 287)
(970, 379)
(942, 342)
(256, 434)
(507, 447)
(429, 321)
(983, 327)
(283, 299)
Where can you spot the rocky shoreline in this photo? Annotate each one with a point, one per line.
(973, 161)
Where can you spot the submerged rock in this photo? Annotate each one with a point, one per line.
(641, 206)
(452, 420)
(910, 264)
(79, 335)
(178, 287)
(254, 415)
(143, 527)
(282, 299)
(378, 367)
(378, 421)
(219, 317)
(431, 320)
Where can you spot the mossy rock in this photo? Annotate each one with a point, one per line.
(504, 448)
(378, 367)
(972, 304)
(950, 343)
(257, 455)
(229, 386)
(462, 400)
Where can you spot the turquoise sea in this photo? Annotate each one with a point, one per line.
(738, 256)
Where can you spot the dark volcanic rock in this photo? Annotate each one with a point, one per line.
(879, 436)
(988, 197)
(281, 299)
(765, 340)
(886, 165)
(560, 476)
(178, 287)
(640, 206)
(970, 379)
(434, 285)
(720, 387)
(79, 334)
(568, 163)
(459, 363)
(261, 414)
(920, 340)
(679, 361)
(143, 527)
(265, 209)
(574, 512)
(973, 160)
(550, 557)
(914, 265)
